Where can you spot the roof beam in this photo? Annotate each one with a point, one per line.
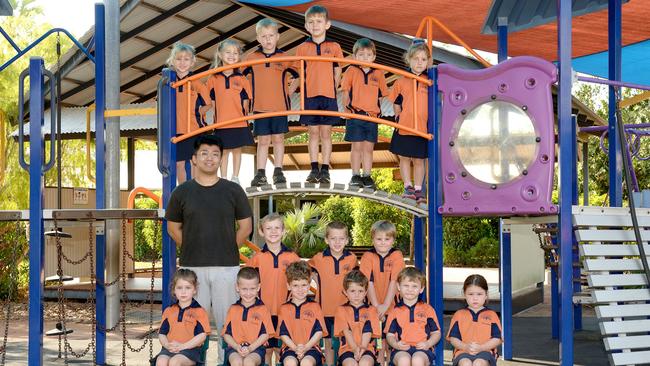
(294, 161)
(164, 14)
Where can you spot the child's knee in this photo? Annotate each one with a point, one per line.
(420, 359)
(264, 140)
(465, 362)
(235, 360)
(290, 361)
(481, 363)
(251, 360)
(308, 361)
(277, 139)
(162, 361)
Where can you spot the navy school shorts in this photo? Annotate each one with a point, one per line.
(320, 103)
(271, 126)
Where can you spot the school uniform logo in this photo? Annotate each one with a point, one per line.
(347, 268)
(256, 318)
(309, 314)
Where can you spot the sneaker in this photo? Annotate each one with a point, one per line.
(235, 180)
(356, 181)
(368, 182)
(259, 180)
(324, 176)
(420, 197)
(409, 192)
(278, 177)
(313, 177)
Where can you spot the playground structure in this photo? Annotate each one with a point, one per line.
(528, 185)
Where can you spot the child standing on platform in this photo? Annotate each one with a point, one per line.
(475, 332)
(248, 323)
(322, 80)
(356, 323)
(363, 88)
(271, 91)
(181, 60)
(272, 263)
(184, 324)
(300, 323)
(230, 93)
(330, 267)
(412, 326)
(407, 146)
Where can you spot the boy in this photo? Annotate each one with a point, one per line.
(412, 326)
(382, 265)
(248, 323)
(272, 263)
(300, 321)
(322, 80)
(270, 94)
(356, 323)
(363, 88)
(330, 266)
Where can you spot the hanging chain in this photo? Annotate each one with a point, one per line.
(12, 281)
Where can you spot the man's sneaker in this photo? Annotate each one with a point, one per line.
(324, 176)
(368, 182)
(313, 177)
(259, 180)
(420, 197)
(278, 177)
(409, 192)
(356, 181)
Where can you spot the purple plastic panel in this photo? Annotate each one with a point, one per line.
(519, 87)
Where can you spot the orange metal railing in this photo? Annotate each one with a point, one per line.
(430, 21)
(301, 61)
(130, 203)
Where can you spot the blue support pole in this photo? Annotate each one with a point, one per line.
(36, 237)
(168, 114)
(418, 243)
(577, 308)
(505, 283)
(100, 167)
(614, 16)
(555, 304)
(435, 218)
(567, 144)
(502, 39)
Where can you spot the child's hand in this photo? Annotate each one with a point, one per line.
(174, 347)
(474, 348)
(422, 346)
(300, 351)
(402, 346)
(382, 309)
(358, 352)
(243, 350)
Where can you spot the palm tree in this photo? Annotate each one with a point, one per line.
(305, 229)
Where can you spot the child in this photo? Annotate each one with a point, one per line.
(356, 323)
(181, 60)
(412, 326)
(248, 323)
(300, 322)
(272, 263)
(322, 80)
(230, 94)
(271, 94)
(330, 266)
(184, 324)
(408, 147)
(475, 332)
(363, 87)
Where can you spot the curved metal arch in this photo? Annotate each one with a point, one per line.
(298, 188)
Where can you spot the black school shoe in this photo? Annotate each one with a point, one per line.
(259, 180)
(324, 176)
(313, 177)
(356, 181)
(368, 182)
(278, 177)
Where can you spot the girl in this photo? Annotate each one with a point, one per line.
(181, 60)
(180, 322)
(475, 332)
(230, 93)
(408, 147)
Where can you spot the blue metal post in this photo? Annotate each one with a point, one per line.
(577, 308)
(505, 283)
(555, 304)
(435, 218)
(614, 55)
(502, 39)
(567, 144)
(36, 237)
(418, 243)
(100, 168)
(168, 98)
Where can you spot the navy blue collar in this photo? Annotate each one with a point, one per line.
(261, 50)
(373, 250)
(283, 248)
(258, 302)
(328, 253)
(193, 304)
(327, 39)
(364, 305)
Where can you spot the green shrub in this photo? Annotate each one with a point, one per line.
(485, 253)
(147, 243)
(337, 208)
(13, 253)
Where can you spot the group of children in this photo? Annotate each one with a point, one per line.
(267, 87)
(373, 307)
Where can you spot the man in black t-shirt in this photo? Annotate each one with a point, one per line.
(209, 218)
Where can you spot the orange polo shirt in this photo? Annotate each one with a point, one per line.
(402, 94)
(247, 324)
(331, 272)
(181, 325)
(364, 89)
(412, 324)
(273, 279)
(197, 94)
(319, 75)
(363, 319)
(300, 322)
(478, 327)
(382, 270)
(228, 94)
(269, 81)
